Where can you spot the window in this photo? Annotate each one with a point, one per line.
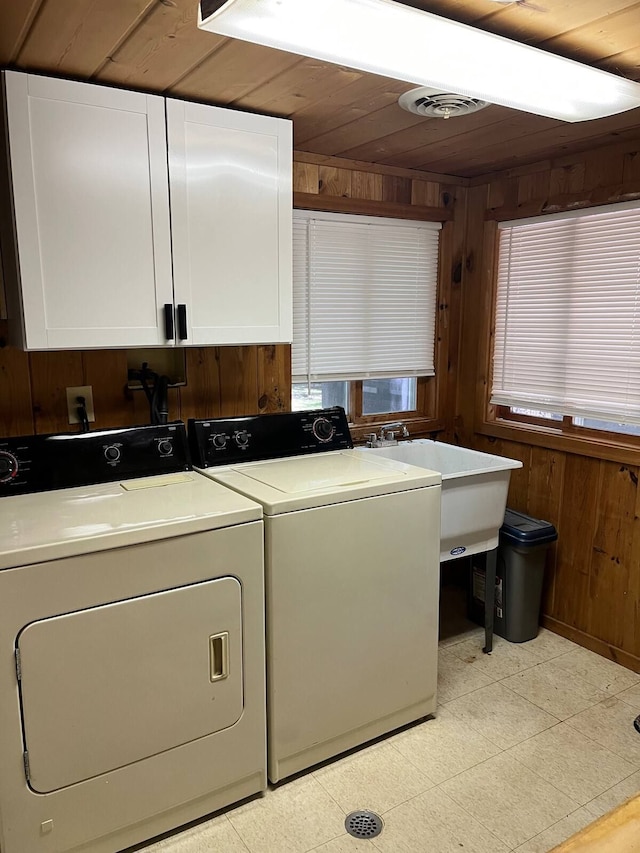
(567, 326)
(364, 311)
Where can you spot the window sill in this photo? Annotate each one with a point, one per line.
(418, 427)
(596, 447)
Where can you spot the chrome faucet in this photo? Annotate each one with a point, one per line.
(387, 435)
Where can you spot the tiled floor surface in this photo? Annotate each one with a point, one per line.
(529, 745)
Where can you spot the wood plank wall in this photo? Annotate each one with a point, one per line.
(220, 381)
(592, 589)
(225, 381)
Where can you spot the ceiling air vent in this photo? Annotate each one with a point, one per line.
(432, 103)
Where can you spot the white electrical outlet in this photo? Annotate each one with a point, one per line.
(85, 391)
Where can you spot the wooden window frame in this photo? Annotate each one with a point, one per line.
(419, 421)
(428, 418)
(499, 422)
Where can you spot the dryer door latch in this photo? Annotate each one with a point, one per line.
(219, 656)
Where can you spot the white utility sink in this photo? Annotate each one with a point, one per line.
(474, 491)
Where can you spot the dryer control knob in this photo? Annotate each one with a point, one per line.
(8, 466)
(112, 453)
(242, 438)
(219, 440)
(165, 447)
(323, 429)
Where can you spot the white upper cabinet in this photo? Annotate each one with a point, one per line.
(230, 182)
(121, 245)
(90, 196)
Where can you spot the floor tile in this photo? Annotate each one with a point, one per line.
(495, 762)
(579, 767)
(444, 746)
(615, 796)
(631, 697)
(293, 818)
(455, 677)
(346, 844)
(213, 836)
(510, 800)
(505, 659)
(377, 779)
(610, 723)
(549, 687)
(548, 645)
(500, 715)
(557, 833)
(597, 670)
(433, 822)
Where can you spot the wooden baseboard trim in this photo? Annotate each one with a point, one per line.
(593, 643)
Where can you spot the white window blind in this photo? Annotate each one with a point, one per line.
(364, 297)
(567, 336)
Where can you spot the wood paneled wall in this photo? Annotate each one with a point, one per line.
(233, 380)
(592, 589)
(220, 381)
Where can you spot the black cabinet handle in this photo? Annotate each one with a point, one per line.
(182, 322)
(168, 321)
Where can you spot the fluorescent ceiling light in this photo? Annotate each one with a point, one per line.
(389, 38)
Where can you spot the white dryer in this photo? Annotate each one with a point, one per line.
(132, 688)
(352, 579)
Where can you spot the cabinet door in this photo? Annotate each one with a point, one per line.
(90, 192)
(231, 210)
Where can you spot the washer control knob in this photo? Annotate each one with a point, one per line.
(219, 440)
(8, 466)
(323, 429)
(165, 447)
(242, 438)
(112, 453)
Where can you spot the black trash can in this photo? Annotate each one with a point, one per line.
(519, 577)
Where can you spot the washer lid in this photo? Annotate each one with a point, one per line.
(305, 482)
(50, 525)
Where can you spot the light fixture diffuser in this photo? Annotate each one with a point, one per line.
(386, 37)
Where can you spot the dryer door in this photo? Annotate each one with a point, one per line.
(107, 686)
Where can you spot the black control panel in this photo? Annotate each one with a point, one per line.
(37, 463)
(225, 441)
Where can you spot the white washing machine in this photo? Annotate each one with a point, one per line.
(132, 686)
(352, 579)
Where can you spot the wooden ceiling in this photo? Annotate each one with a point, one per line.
(154, 45)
